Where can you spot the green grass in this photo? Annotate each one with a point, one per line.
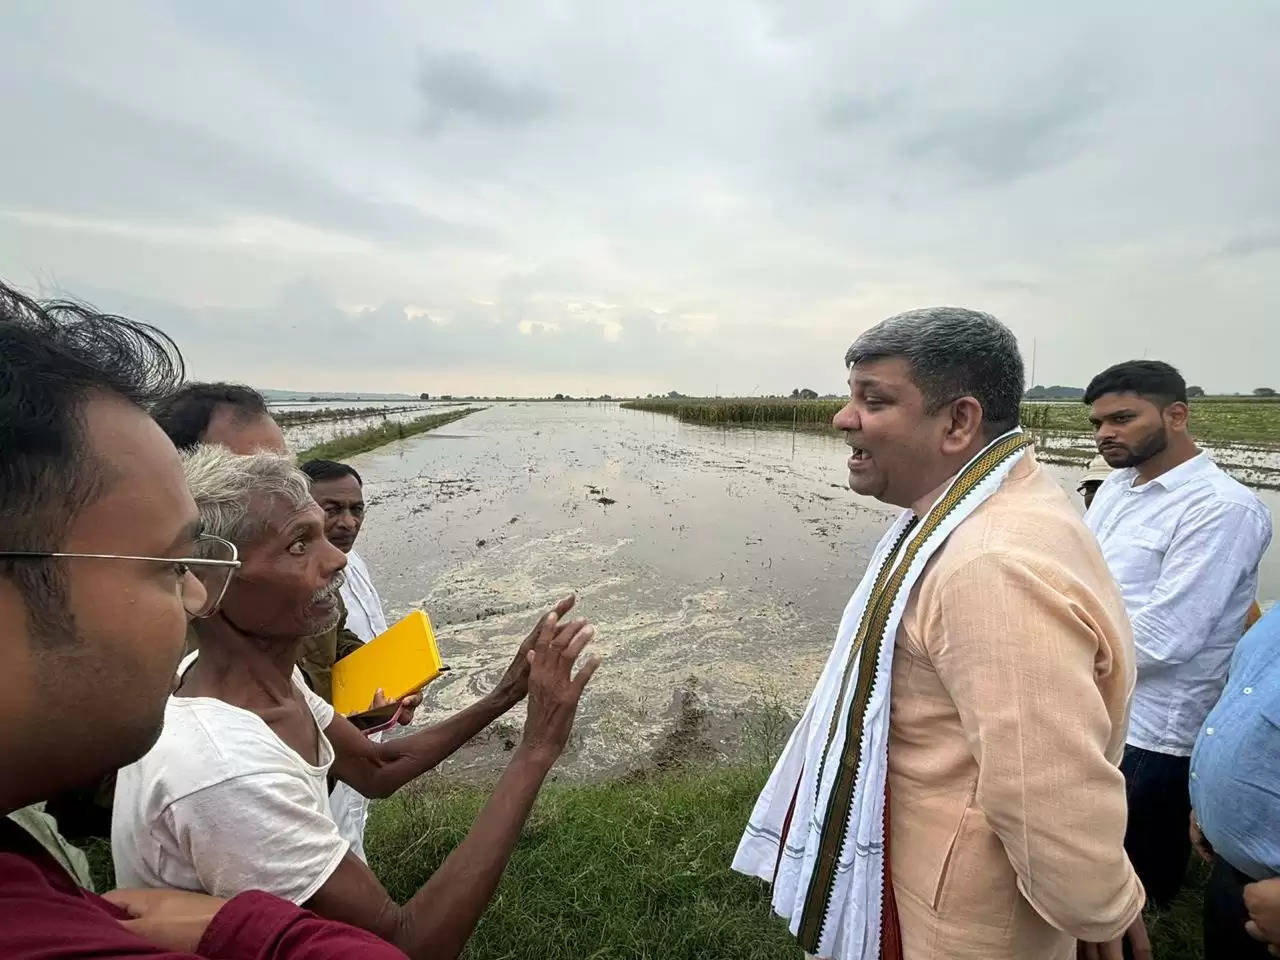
(1217, 420)
(748, 410)
(633, 869)
(630, 870)
(1176, 933)
(348, 445)
(1225, 420)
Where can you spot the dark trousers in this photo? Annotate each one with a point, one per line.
(1225, 916)
(1157, 838)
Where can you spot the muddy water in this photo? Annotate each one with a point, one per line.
(715, 563)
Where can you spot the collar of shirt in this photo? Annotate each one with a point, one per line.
(1170, 479)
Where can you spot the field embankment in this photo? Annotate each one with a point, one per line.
(348, 445)
(293, 418)
(1214, 420)
(633, 870)
(1242, 434)
(745, 411)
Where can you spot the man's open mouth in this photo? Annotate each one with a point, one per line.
(328, 596)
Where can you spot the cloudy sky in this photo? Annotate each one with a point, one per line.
(588, 197)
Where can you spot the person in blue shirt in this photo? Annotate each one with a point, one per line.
(1235, 798)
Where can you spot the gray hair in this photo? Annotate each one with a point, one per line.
(231, 491)
(952, 353)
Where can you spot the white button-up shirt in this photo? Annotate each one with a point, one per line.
(366, 620)
(364, 607)
(1185, 550)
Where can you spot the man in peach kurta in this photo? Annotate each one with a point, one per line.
(1012, 673)
(951, 790)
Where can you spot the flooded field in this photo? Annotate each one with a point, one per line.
(1253, 465)
(333, 422)
(715, 561)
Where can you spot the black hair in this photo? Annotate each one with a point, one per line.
(1152, 380)
(330, 470)
(952, 353)
(53, 355)
(185, 414)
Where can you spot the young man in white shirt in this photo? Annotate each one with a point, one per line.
(1183, 540)
(339, 490)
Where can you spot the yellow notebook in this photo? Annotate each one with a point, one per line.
(399, 661)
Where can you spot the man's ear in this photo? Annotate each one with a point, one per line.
(1177, 414)
(965, 426)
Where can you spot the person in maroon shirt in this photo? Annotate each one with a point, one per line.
(101, 565)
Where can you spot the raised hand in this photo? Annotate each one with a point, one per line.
(554, 690)
(514, 685)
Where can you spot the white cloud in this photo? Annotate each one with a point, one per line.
(647, 193)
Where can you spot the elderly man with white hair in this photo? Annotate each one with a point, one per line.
(234, 795)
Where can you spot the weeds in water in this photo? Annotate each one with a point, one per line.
(765, 727)
(1215, 420)
(781, 412)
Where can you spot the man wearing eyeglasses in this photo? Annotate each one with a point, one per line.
(101, 565)
(236, 417)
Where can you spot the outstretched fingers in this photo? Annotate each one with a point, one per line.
(546, 632)
(557, 613)
(578, 642)
(584, 675)
(566, 631)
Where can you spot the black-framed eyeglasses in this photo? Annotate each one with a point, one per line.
(211, 571)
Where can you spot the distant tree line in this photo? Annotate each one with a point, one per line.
(1055, 392)
(1076, 393)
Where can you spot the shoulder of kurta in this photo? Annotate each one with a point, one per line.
(1028, 532)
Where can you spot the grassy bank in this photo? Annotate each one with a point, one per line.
(293, 418)
(633, 870)
(743, 411)
(350, 444)
(1218, 420)
(1215, 420)
(630, 870)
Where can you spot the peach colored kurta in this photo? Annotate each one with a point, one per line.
(1012, 675)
